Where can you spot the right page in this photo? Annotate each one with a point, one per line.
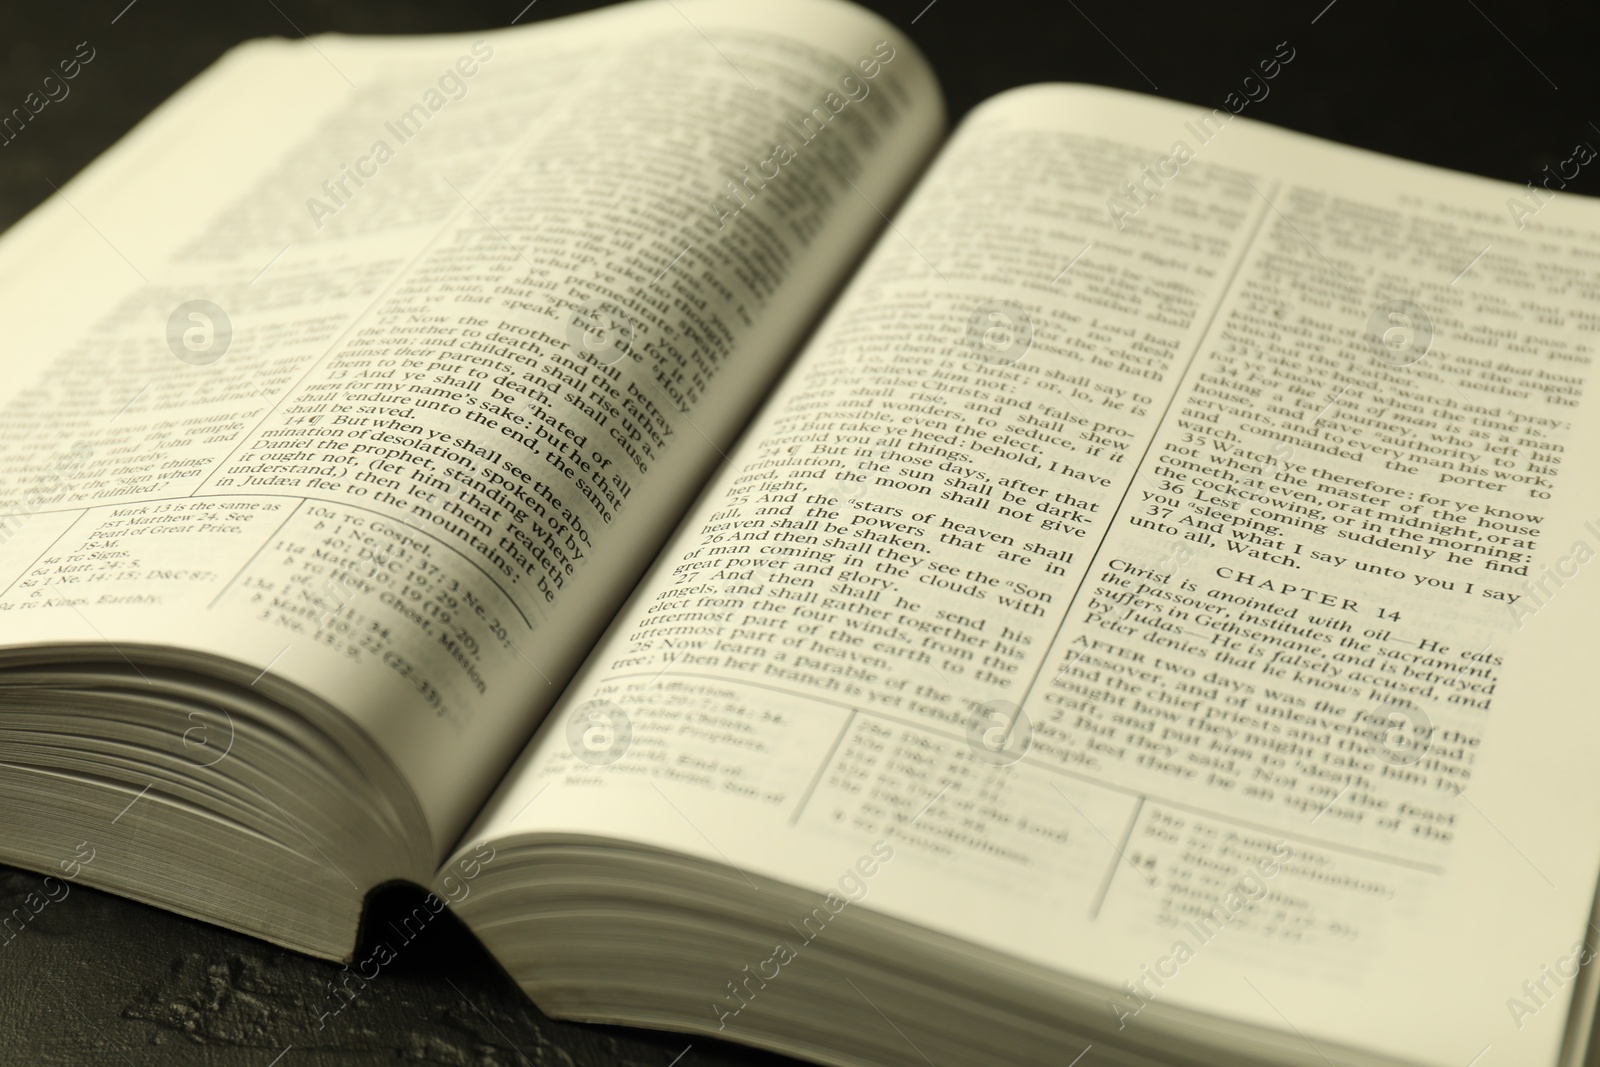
(1175, 541)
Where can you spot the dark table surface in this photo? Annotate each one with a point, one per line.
(1497, 87)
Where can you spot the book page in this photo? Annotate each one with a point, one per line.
(387, 365)
(1173, 545)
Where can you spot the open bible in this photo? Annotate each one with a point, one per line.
(1136, 598)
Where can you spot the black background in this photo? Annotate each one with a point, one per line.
(1497, 87)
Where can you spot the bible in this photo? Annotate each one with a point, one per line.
(1110, 580)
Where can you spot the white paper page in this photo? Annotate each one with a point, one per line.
(407, 484)
(937, 519)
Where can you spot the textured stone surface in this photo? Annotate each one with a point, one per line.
(96, 979)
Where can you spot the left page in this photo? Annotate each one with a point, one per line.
(371, 372)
